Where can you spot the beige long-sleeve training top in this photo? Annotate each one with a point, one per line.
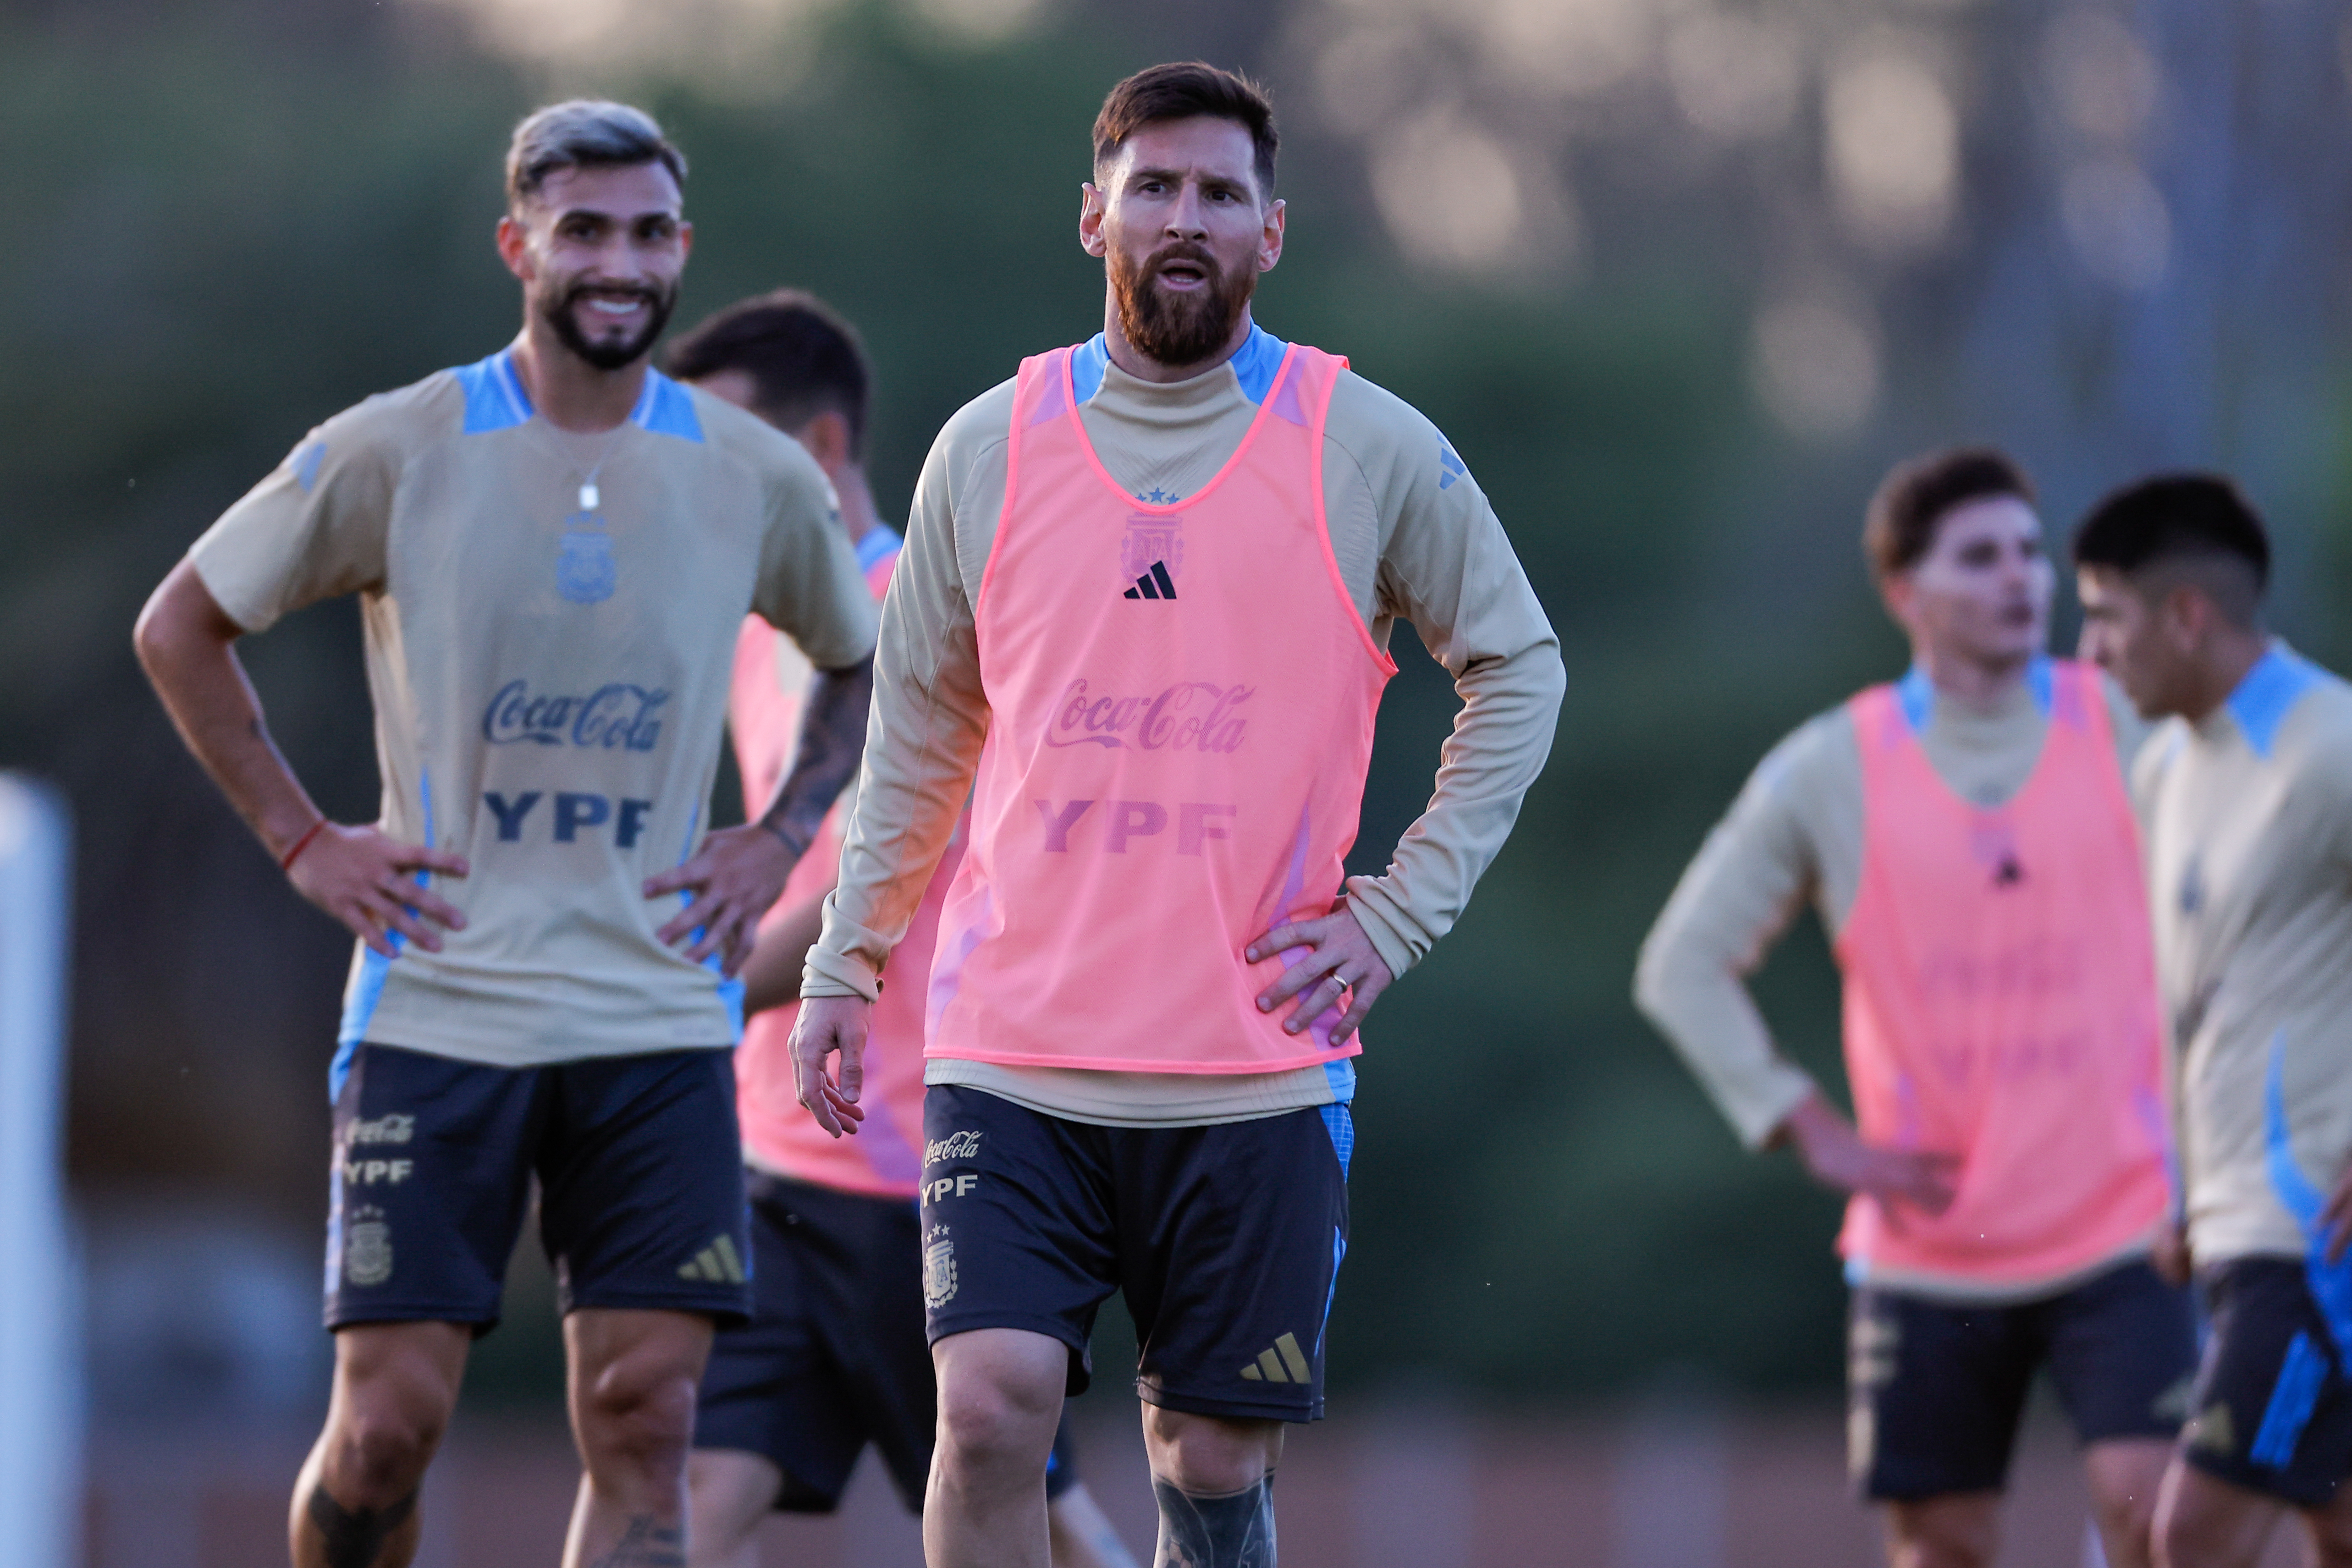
(1415, 539)
(1794, 835)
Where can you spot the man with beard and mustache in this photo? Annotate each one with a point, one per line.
(554, 548)
(1156, 575)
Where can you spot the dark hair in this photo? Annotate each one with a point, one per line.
(1186, 91)
(2170, 517)
(584, 133)
(804, 359)
(1921, 492)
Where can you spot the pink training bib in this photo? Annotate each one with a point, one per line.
(1183, 700)
(886, 1158)
(2001, 1002)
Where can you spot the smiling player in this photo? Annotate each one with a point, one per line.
(1966, 836)
(1156, 573)
(554, 548)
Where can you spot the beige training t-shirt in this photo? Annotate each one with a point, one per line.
(2248, 818)
(1415, 539)
(549, 680)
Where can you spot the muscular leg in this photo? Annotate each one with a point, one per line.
(2125, 1476)
(729, 1491)
(634, 1375)
(1214, 1482)
(2205, 1522)
(1000, 1400)
(1081, 1537)
(355, 1501)
(1959, 1530)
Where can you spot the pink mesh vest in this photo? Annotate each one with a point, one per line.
(1183, 700)
(886, 1158)
(2001, 1002)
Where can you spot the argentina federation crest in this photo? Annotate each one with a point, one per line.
(367, 1248)
(585, 572)
(939, 1273)
(1151, 538)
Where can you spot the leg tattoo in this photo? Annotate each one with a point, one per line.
(648, 1544)
(1236, 1531)
(355, 1536)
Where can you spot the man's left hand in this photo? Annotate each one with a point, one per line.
(1339, 960)
(738, 873)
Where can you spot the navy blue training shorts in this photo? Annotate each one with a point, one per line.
(1226, 1240)
(1935, 1389)
(639, 1170)
(2272, 1408)
(833, 1357)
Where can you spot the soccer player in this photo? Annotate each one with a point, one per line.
(554, 548)
(834, 1356)
(1157, 573)
(1967, 837)
(2246, 796)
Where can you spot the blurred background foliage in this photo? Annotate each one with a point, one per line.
(1679, 277)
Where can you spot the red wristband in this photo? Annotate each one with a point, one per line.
(301, 844)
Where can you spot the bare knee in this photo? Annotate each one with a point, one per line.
(392, 1404)
(1207, 1456)
(1961, 1531)
(996, 1416)
(639, 1414)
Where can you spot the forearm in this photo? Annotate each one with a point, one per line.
(771, 976)
(832, 738)
(1702, 1006)
(1499, 742)
(185, 643)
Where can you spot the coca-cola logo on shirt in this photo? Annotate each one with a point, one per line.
(1190, 716)
(615, 717)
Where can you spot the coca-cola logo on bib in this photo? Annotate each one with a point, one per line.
(1190, 716)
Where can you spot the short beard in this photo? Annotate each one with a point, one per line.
(559, 314)
(1178, 329)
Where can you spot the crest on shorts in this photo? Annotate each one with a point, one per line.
(938, 1271)
(367, 1248)
(585, 572)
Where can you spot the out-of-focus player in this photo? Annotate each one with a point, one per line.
(1156, 573)
(2246, 797)
(1967, 837)
(834, 1356)
(554, 548)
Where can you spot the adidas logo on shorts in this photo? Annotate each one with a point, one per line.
(1283, 1364)
(717, 1264)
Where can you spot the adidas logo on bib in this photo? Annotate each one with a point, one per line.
(1153, 584)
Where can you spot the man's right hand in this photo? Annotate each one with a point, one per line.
(827, 1024)
(1836, 1156)
(366, 880)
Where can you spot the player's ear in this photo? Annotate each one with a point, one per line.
(1092, 205)
(826, 437)
(514, 247)
(1269, 245)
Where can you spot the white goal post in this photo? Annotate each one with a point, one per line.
(40, 1365)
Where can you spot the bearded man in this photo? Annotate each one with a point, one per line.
(554, 548)
(1156, 574)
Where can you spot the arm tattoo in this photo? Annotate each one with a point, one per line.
(831, 742)
(647, 1545)
(1236, 1531)
(355, 1536)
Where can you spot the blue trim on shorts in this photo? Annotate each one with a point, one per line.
(2270, 690)
(2329, 1281)
(2293, 1399)
(1341, 1076)
(367, 985)
(1339, 1255)
(1343, 1128)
